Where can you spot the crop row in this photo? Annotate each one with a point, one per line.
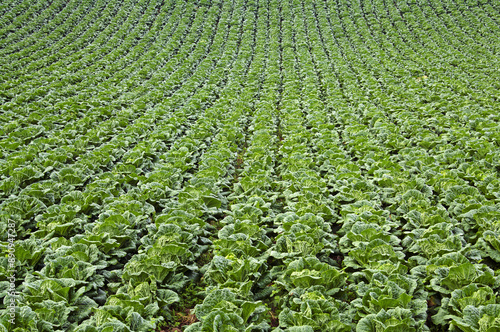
(250, 165)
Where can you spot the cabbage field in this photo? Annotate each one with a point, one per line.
(249, 165)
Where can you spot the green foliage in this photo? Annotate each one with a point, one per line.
(249, 165)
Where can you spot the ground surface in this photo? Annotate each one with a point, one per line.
(250, 165)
